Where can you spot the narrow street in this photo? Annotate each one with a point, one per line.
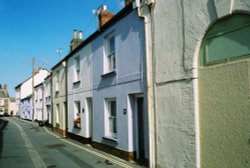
(25, 144)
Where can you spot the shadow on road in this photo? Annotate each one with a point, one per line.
(3, 124)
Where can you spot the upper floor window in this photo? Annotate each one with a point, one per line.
(77, 69)
(110, 60)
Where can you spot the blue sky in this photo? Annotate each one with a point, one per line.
(36, 28)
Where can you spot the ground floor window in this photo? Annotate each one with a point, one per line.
(111, 118)
(77, 112)
(57, 115)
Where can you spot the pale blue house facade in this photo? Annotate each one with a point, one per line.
(119, 101)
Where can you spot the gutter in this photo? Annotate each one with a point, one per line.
(145, 10)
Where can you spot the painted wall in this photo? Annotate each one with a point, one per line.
(224, 117)
(178, 29)
(47, 100)
(38, 103)
(80, 91)
(26, 109)
(59, 95)
(26, 93)
(128, 78)
(26, 87)
(12, 107)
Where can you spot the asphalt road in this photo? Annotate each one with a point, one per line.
(24, 144)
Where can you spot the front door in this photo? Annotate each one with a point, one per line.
(140, 129)
(90, 112)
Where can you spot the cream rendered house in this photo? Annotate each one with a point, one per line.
(59, 99)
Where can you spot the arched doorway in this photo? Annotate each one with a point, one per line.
(224, 94)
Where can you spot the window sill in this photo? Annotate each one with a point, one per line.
(77, 82)
(109, 74)
(109, 138)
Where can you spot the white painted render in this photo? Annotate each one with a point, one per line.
(59, 96)
(38, 103)
(47, 101)
(12, 107)
(178, 29)
(25, 92)
(80, 91)
(26, 87)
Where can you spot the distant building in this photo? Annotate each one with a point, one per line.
(12, 106)
(4, 99)
(25, 95)
(47, 100)
(39, 103)
(18, 99)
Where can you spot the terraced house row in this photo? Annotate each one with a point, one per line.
(165, 83)
(96, 93)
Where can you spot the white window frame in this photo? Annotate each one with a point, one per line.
(77, 109)
(110, 120)
(110, 54)
(77, 68)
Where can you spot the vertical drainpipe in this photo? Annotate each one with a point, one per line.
(145, 10)
(66, 94)
(196, 103)
(52, 100)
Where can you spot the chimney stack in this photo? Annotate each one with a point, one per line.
(80, 35)
(5, 88)
(77, 39)
(127, 2)
(104, 15)
(74, 34)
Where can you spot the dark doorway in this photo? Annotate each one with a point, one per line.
(141, 136)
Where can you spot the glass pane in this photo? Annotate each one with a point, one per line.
(111, 44)
(230, 45)
(78, 107)
(114, 126)
(113, 61)
(113, 108)
(111, 125)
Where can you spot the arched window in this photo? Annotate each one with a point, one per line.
(227, 39)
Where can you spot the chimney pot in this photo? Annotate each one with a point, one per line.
(74, 34)
(80, 35)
